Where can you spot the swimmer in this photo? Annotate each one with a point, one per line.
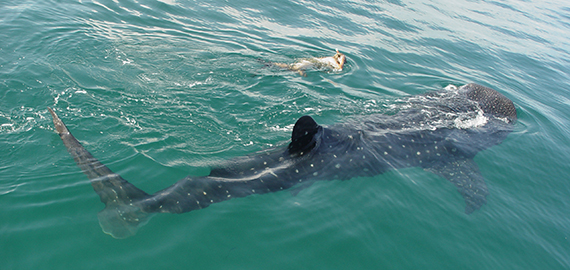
(332, 63)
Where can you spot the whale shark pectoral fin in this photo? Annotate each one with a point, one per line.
(465, 175)
(295, 191)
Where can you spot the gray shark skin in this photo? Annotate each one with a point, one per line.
(440, 131)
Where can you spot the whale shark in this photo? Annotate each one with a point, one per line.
(439, 131)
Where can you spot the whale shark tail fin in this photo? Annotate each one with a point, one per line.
(122, 220)
(465, 175)
(122, 215)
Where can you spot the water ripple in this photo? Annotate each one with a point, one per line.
(159, 90)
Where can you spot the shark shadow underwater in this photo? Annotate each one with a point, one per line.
(440, 132)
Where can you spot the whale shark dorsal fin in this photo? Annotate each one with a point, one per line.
(465, 175)
(303, 136)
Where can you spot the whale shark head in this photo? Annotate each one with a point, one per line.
(491, 101)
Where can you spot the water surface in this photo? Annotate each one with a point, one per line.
(158, 90)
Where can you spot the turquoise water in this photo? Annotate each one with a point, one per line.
(158, 90)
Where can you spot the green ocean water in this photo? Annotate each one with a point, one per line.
(159, 90)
